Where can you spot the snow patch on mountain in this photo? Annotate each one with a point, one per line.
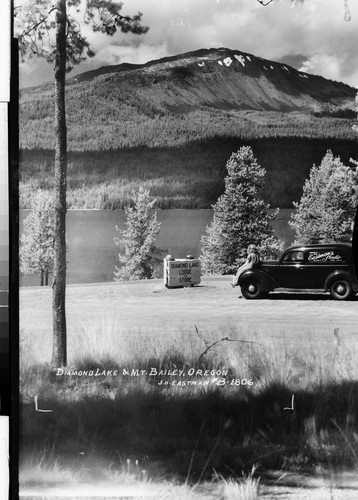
(241, 59)
(227, 61)
(271, 67)
(248, 58)
(286, 69)
(201, 64)
(220, 62)
(265, 68)
(303, 76)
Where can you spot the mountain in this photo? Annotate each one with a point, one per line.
(225, 79)
(170, 125)
(215, 92)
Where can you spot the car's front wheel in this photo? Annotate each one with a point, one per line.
(251, 289)
(341, 289)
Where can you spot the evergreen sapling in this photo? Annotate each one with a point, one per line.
(37, 243)
(137, 239)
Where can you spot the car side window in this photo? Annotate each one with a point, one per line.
(325, 257)
(297, 256)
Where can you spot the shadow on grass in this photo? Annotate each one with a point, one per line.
(192, 431)
(305, 296)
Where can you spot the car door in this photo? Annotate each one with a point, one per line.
(320, 264)
(290, 272)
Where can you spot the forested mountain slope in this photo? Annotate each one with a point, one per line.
(171, 125)
(194, 96)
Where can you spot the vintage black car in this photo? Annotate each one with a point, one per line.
(325, 267)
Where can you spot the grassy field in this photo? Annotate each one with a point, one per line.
(188, 389)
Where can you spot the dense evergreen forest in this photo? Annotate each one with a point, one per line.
(98, 123)
(182, 176)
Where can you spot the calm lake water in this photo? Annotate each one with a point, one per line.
(92, 254)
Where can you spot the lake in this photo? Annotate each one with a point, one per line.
(92, 253)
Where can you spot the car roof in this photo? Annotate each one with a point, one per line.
(322, 246)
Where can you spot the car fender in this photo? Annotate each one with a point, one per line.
(344, 275)
(265, 280)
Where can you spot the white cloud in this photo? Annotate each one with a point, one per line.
(117, 54)
(322, 65)
(314, 28)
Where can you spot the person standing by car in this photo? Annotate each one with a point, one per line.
(253, 260)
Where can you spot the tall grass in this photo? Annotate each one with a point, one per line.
(246, 488)
(106, 343)
(187, 431)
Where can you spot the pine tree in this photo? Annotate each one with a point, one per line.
(328, 204)
(355, 126)
(355, 222)
(47, 28)
(240, 216)
(137, 239)
(37, 243)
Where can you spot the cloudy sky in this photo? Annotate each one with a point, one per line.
(312, 36)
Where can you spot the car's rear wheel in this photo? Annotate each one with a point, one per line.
(251, 289)
(341, 290)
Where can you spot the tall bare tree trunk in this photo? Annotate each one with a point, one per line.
(59, 352)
